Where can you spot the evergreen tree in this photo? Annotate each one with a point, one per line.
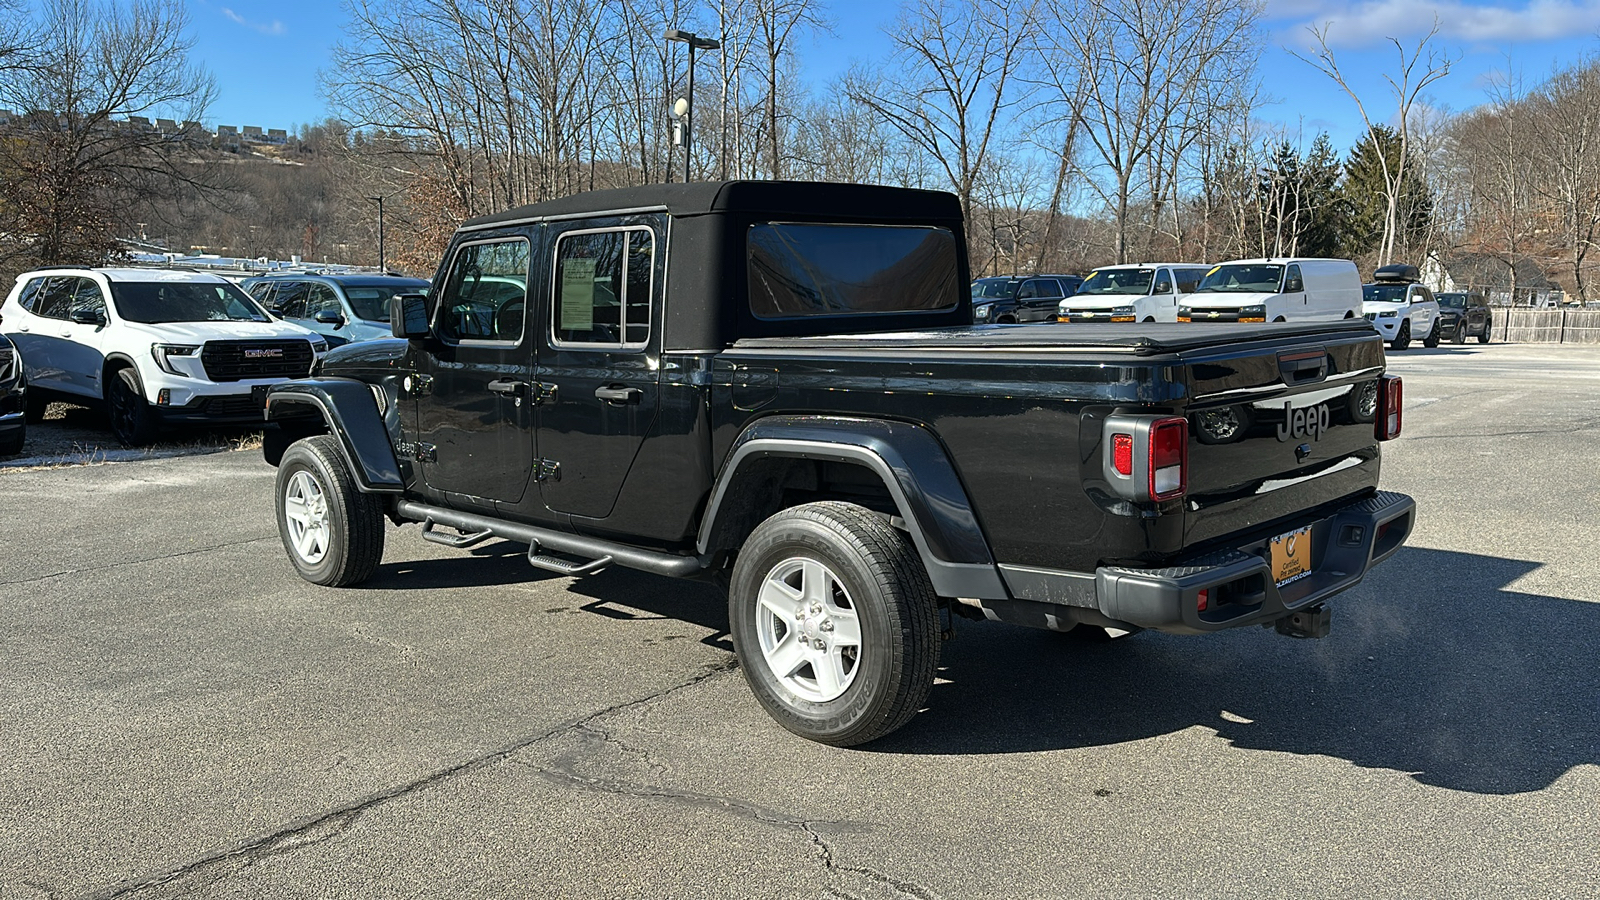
(1365, 199)
(1302, 213)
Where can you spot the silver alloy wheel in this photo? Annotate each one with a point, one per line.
(305, 507)
(809, 632)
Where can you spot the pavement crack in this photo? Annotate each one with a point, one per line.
(332, 825)
(900, 886)
(135, 562)
(562, 771)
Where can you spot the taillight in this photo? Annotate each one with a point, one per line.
(1122, 453)
(1147, 457)
(1169, 458)
(1386, 424)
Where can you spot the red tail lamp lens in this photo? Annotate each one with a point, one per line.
(1391, 401)
(1204, 600)
(1169, 458)
(1122, 453)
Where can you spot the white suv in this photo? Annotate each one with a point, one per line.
(1400, 308)
(154, 345)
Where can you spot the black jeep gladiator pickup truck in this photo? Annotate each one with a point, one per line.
(779, 387)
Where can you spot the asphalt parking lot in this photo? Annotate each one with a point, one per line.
(183, 716)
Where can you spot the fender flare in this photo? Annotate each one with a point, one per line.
(914, 468)
(347, 408)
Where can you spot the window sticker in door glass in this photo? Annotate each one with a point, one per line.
(577, 294)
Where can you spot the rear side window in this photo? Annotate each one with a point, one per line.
(54, 300)
(602, 288)
(843, 270)
(29, 294)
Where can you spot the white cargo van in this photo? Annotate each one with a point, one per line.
(1142, 292)
(1275, 290)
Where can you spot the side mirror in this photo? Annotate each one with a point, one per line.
(330, 317)
(1163, 287)
(88, 316)
(1294, 286)
(408, 316)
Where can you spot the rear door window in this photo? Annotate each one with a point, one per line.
(799, 270)
(290, 301)
(604, 279)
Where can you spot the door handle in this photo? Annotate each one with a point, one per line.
(618, 394)
(507, 386)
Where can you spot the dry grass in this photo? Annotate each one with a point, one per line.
(74, 436)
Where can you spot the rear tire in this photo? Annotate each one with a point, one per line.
(132, 419)
(1484, 338)
(332, 532)
(1432, 340)
(835, 622)
(1402, 340)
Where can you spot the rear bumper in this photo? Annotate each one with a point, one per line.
(1238, 581)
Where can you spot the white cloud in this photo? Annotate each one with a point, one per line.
(274, 28)
(1358, 24)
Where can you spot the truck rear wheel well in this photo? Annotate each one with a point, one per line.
(763, 487)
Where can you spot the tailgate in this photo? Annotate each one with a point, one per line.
(1279, 430)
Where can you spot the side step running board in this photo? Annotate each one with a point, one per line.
(599, 553)
(565, 566)
(453, 540)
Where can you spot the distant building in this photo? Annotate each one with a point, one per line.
(252, 133)
(166, 126)
(277, 136)
(1491, 276)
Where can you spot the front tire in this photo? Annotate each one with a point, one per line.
(835, 622)
(133, 421)
(13, 445)
(1402, 339)
(333, 533)
(1461, 332)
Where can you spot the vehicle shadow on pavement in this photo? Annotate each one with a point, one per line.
(1435, 667)
(496, 563)
(626, 595)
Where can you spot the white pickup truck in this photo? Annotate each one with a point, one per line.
(1401, 308)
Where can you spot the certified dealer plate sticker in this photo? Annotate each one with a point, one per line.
(1291, 556)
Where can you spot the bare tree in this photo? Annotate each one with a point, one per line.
(958, 63)
(1153, 71)
(76, 161)
(1420, 67)
(777, 23)
(1565, 114)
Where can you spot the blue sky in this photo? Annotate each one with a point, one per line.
(266, 54)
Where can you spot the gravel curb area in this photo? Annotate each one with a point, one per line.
(78, 436)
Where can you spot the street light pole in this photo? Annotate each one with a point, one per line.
(695, 42)
(382, 265)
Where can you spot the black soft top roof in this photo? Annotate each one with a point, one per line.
(807, 199)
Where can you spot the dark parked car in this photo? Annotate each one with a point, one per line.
(1005, 299)
(1464, 314)
(13, 400)
(778, 387)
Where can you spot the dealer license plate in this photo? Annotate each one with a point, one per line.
(1291, 556)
